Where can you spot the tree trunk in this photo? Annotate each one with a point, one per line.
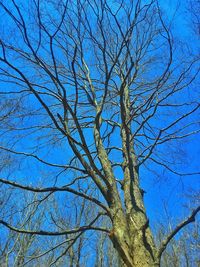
(134, 245)
(131, 235)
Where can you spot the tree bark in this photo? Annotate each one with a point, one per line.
(134, 244)
(131, 235)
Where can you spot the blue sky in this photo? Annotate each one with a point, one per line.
(168, 191)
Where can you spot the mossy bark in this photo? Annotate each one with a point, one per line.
(133, 242)
(131, 234)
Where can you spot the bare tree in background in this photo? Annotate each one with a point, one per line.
(14, 247)
(92, 93)
(184, 250)
(18, 249)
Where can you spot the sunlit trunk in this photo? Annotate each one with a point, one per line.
(133, 242)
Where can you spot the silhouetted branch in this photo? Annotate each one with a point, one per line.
(180, 226)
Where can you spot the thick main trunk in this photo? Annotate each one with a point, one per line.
(135, 246)
(142, 250)
(132, 238)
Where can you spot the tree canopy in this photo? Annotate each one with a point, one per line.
(97, 100)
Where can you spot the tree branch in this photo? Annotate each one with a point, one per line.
(55, 189)
(165, 242)
(49, 233)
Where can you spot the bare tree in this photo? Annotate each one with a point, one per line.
(14, 247)
(17, 249)
(182, 251)
(185, 251)
(94, 92)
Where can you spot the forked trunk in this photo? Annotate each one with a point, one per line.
(137, 253)
(132, 238)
